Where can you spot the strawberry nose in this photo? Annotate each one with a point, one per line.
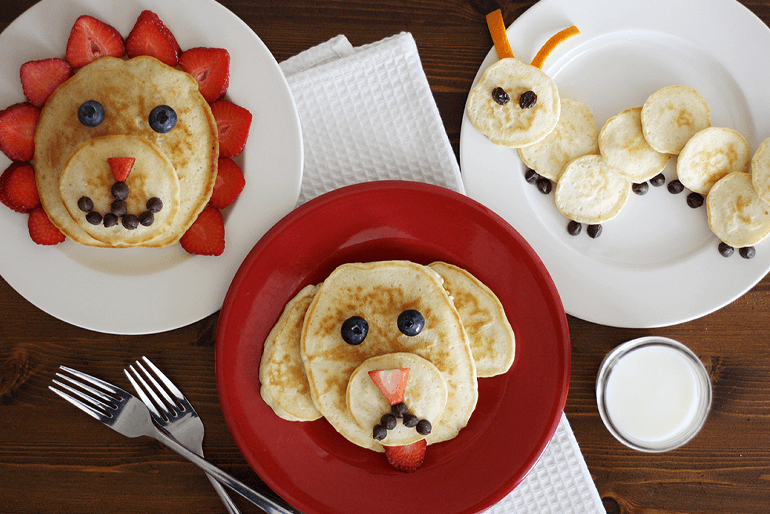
(121, 167)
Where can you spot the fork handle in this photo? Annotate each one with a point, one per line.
(258, 499)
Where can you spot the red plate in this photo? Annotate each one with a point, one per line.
(308, 463)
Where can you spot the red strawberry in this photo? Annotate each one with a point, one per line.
(206, 236)
(210, 67)
(17, 131)
(150, 36)
(228, 185)
(40, 78)
(121, 167)
(392, 383)
(233, 122)
(91, 39)
(407, 457)
(18, 189)
(41, 230)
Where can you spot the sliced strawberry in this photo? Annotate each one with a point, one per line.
(18, 189)
(233, 122)
(229, 183)
(206, 236)
(407, 457)
(40, 78)
(41, 230)
(91, 39)
(150, 36)
(121, 167)
(211, 68)
(392, 383)
(17, 131)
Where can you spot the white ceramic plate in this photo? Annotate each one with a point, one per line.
(657, 263)
(135, 291)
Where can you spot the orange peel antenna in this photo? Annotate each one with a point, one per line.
(496, 27)
(552, 43)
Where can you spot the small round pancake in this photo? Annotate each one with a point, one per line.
(493, 342)
(425, 395)
(591, 191)
(760, 170)
(709, 155)
(575, 135)
(509, 124)
(623, 146)
(737, 215)
(672, 115)
(283, 383)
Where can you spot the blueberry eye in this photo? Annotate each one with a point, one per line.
(90, 113)
(410, 322)
(162, 119)
(354, 330)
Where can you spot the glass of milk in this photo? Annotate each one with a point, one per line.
(653, 393)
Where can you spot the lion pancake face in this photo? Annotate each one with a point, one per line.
(177, 167)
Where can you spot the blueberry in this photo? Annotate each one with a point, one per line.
(354, 330)
(90, 113)
(410, 322)
(162, 119)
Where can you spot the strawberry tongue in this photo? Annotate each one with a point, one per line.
(121, 167)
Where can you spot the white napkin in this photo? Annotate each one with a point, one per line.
(368, 114)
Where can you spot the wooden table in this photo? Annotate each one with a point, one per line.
(55, 459)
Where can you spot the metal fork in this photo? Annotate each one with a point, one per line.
(127, 415)
(174, 415)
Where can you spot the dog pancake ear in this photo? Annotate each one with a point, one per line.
(493, 343)
(284, 385)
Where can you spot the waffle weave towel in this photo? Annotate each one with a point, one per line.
(368, 114)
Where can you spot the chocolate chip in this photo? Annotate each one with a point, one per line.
(120, 190)
(640, 189)
(726, 250)
(574, 228)
(424, 427)
(675, 187)
(110, 220)
(379, 433)
(85, 204)
(531, 175)
(544, 185)
(388, 421)
(594, 231)
(658, 180)
(146, 218)
(154, 204)
(527, 100)
(118, 208)
(694, 200)
(410, 420)
(747, 252)
(399, 410)
(500, 96)
(130, 222)
(94, 218)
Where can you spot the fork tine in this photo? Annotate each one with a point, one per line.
(109, 400)
(97, 382)
(170, 402)
(142, 395)
(97, 415)
(170, 386)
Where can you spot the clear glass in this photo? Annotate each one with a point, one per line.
(653, 394)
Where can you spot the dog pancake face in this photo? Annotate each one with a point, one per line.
(175, 163)
(442, 384)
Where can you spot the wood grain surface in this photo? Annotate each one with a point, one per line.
(55, 459)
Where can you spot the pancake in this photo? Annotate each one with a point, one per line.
(575, 135)
(623, 146)
(493, 343)
(283, 383)
(379, 292)
(509, 124)
(128, 90)
(672, 115)
(736, 214)
(709, 155)
(591, 191)
(760, 170)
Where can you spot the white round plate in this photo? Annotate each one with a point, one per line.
(656, 263)
(139, 291)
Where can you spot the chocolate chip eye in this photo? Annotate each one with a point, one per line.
(411, 322)
(354, 330)
(90, 113)
(162, 119)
